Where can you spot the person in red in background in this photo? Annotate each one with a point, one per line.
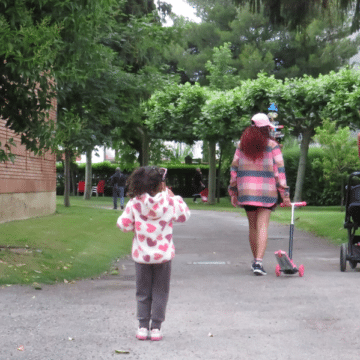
(257, 174)
(150, 214)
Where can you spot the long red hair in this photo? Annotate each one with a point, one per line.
(253, 142)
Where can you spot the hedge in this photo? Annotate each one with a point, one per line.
(316, 190)
(179, 177)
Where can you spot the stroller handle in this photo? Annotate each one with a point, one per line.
(302, 203)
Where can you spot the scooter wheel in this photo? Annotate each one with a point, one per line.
(277, 270)
(301, 270)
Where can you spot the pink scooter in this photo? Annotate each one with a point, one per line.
(285, 262)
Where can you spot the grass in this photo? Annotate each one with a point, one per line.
(83, 242)
(76, 242)
(322, 221)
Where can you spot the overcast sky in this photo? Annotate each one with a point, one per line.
(181, 7)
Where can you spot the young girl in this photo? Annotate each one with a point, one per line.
(150, 213)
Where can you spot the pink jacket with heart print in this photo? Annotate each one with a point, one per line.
(151, 219)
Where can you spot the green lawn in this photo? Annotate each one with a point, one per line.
(77, 242)
(326, 221)
(83, 241)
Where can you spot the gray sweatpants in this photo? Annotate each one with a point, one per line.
(152, 292)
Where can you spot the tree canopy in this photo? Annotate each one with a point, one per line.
(311, 41)
(188, 113)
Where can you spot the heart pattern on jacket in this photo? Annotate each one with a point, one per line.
(151, 242)
(151, 219)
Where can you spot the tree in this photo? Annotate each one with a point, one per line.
(69, 128)
(28, 49)
(290, 13)
(303, 104)
(139, 41)
(221, 73)
(300, 103)
(271, 37)
(187, 113)
(219, 112)
(55, 46)
(340, 153)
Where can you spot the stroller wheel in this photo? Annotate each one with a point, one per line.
(343, 252)
(352, 264)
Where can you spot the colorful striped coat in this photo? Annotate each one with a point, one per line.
(256, 183)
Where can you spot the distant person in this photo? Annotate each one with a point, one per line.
(118, 182)
(257, 174)
(198, 184)
(150, 214)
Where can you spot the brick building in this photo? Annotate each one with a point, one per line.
(27, 187)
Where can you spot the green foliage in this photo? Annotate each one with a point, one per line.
(340, 154)
(174, 112)
(286, 38)
(317, 190)
(313, 182)
(220, 116)
(343, 89)
(28, 50)
(42, 41)
(222, 75)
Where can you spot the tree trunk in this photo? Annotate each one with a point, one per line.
(342, 192)
(218, 177)
(145, 147)
(88, 175)
(73, 182)
(212, 172)
(67, 178)
(205, 152)
(304, 149)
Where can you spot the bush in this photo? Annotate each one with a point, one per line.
(316, 190)
(100, 171)
(179, 177)
(313, 183)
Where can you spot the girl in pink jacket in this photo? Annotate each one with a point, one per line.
(150, 214)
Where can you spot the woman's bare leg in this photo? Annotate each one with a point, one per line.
(252, 218)
(262, 226)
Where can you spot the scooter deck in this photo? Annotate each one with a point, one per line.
(287, 266)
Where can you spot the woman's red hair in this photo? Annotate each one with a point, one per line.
(254, 141)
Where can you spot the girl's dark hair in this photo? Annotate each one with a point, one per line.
(145, 179)
(254, 141)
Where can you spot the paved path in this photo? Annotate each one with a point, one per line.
(213, 293)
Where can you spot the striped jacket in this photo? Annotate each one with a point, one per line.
(256, 183)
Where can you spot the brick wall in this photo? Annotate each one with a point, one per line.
(29, 173)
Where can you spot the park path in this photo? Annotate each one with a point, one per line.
(217, 308)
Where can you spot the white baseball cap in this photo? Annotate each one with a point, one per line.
(261, 120)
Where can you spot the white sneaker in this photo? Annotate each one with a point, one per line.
(156, 335)
(142, 334)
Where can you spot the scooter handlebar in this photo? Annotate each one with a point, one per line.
(302, 203)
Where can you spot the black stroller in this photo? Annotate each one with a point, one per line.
(351, 251)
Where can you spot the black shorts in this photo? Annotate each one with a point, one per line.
(254, 208)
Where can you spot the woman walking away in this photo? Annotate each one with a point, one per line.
(257, 174)
(150, 213)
